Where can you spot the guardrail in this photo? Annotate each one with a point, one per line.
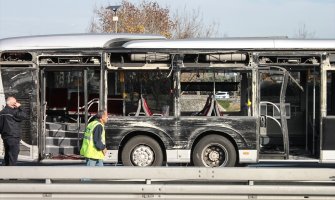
(64, 182)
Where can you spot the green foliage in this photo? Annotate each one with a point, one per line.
(224, 103)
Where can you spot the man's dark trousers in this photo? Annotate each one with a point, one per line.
(12, 149)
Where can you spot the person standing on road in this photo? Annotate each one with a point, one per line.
(10, 118)
(94, 142)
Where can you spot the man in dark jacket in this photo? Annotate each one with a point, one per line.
(10, 118)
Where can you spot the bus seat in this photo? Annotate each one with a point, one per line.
(207, 106)
(146, 107)
(138, 110)
(210, 108)
(142, 104)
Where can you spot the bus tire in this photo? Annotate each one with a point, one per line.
(214, 151)
(142, 151)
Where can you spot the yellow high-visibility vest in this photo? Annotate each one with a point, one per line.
(88, 150)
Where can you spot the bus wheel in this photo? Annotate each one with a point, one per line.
(142, 151)
(214, 151)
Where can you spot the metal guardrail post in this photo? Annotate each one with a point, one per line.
(48, 181)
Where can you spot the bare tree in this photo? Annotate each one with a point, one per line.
(150, 17)
(303, 33)
(192, 25)
(93, 27)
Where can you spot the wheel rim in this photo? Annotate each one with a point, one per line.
(142, 155)
(214, 155)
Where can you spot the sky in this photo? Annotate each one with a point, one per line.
(236, 18)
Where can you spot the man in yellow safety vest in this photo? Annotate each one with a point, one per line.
(94, 142)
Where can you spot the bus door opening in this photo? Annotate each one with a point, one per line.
(280, 95)
(328, 120)
(71, 100)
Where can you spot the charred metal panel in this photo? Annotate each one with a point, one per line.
(182, 134)
(241, 129)
(21, 83)
(328, 135)
(119, 127)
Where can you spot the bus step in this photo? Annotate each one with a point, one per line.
(61, 150)
(63, 141)
(278, 155)
(63, 133)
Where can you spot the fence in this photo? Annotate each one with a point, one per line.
(64, 182)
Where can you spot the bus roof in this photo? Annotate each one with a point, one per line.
(69, 41)
(234, 43)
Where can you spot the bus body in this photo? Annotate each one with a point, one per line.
(160, 97)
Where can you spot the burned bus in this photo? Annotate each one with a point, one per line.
(205, 102)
